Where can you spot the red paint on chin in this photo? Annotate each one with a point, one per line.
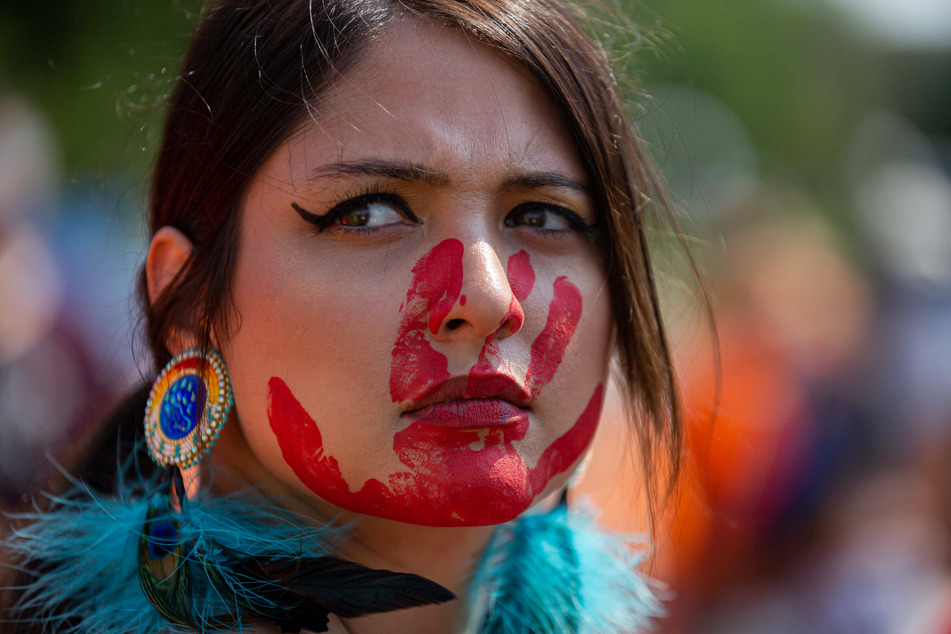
(453, 477)
(436, 284)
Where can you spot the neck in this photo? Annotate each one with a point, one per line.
(447, 556)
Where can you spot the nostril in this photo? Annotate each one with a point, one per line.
(452, 324)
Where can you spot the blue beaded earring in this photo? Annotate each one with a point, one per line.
(187, 407)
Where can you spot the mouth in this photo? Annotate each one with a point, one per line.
(476, 413)
(482, 399)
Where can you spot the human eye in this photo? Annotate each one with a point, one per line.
(364, 213)
(548, 219)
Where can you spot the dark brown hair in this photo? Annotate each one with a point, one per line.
(256, 69)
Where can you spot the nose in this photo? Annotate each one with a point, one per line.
(486, 305)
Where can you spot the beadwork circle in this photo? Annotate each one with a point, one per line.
(182, 407)
(187, 407)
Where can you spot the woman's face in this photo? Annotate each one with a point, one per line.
(424, 320)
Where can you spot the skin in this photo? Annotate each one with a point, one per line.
(344, 331)
(453, 476)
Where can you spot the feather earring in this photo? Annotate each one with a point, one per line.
(197, 573)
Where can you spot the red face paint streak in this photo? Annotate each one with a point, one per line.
(568, 447)
(448, 482)
(462, 300)
(437, 281)
(521, 275)
(490, 356)
(548, 349)
(437, 277)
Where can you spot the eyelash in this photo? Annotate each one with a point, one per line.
(351, 203)
(576, 223)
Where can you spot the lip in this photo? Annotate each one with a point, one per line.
(476, 413)
(485, 398)
(480, 383)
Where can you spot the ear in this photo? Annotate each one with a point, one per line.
(168, 253)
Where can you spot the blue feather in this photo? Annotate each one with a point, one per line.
(218, 563)
(88, 578)
(559, 572)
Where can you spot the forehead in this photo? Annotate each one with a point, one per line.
(436, 96)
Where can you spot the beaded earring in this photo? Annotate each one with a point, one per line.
(187, 407)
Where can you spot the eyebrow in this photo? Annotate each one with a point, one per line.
(541, 180)
(401, 171)
(415, 173)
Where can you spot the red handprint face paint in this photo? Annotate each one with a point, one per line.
(424, 327)
(462, 464)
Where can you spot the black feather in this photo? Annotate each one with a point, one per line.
(207, 585)
(309, 588)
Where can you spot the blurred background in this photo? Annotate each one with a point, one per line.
(809, 145)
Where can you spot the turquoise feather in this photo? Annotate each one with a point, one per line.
(87, 580)
(559, 573)
(133, 563)
(163, 563)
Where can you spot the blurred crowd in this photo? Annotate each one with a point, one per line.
(816, 491)
(816, 495)
(65, 312)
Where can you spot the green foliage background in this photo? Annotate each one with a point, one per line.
(795, 72)
(99, 70)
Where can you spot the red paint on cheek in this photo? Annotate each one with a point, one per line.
(301, 443)
(435, 288)
(521, 275)
(453, 478)
(563, 453)
(548, 349)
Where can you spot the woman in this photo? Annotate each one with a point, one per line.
(409, 236)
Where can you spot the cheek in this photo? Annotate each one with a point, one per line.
(549, 348)
(434, 290)
(307, 321)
